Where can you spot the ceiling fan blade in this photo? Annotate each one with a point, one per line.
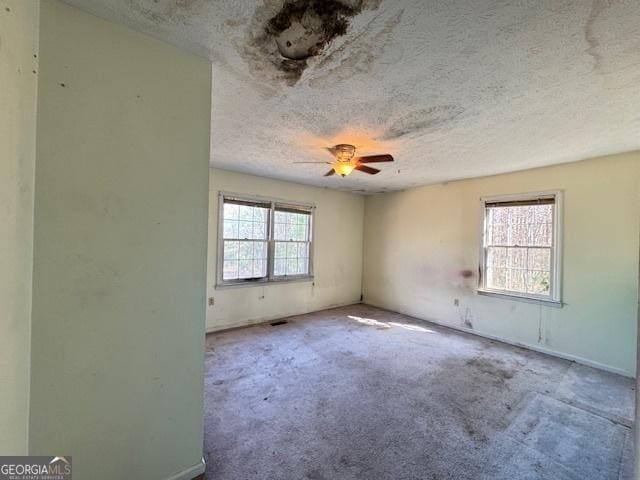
(365, 169)
(374, 159)
(329, 173)
(326, 163)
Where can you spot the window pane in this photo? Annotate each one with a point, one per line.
(499, 215)
(260, 250)
(259, 230)
(280, 231)
(280, 217)
(231, 211)
(259, 268)
(280, 267)
(303, 266)
(246, 213)
(539, 259)
(538, 283)
(518, 215)
(245, 268)
(516, 280)
(516, 258)
(540, 213)
(299, 232)
(497, 257)
(292, 266)
(230, 251)
(518, 234)
(245, 250)
(245, 229)
(280, 250)
(230, 229)
(498, 234)
(260, 215)
(540, 234)
(230, 271)
(497, 278)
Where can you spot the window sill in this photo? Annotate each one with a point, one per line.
(263, 283)
(521, 298)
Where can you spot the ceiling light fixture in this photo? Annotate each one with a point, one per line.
(343, 168)
(344, 154)
(346, 161)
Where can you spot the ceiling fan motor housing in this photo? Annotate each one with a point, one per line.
(345, 152)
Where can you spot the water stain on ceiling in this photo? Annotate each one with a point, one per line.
(300, 29)
(423, 121)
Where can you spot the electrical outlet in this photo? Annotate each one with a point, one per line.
(211, 302)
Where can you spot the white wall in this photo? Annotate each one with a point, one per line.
(18, 85)
(419, 242)
(119, 250)
(337, 255)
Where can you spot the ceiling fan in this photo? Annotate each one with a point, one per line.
(346, 161)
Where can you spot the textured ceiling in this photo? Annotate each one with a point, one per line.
(453, 89)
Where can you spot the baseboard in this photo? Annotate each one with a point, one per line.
(269, 318)
(528, 346)
(189, 473)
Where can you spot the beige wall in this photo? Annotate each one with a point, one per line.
(419, 242)
(337, 255)
(119, 250)
(18, 85)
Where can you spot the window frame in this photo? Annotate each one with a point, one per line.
(274, 204)
(555, 292)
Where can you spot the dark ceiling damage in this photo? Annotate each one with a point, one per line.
(302, 29)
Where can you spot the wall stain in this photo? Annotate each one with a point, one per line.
(466, 273)
(540, 331)
(467, 318)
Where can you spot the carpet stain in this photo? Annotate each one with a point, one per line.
(493, 368)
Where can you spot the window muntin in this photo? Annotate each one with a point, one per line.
(520, 248)
(263, 240)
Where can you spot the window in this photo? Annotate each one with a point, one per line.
(263, 240)
(520, 246)
(291, 231)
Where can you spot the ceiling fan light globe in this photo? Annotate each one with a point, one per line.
(343, 168)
